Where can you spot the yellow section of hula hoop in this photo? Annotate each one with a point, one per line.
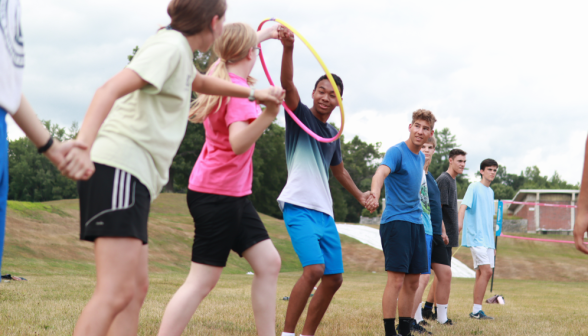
(323, 65)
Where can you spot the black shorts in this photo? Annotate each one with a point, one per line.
(449, 253)
(113, 203)
(223, 223)
(440, 254)
(405, 247)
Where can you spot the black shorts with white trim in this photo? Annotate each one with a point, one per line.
(113, 203)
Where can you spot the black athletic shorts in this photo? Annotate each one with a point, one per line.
(440, 255)
(223, 223)
(113, 203)
(405, 247)
(449, 253)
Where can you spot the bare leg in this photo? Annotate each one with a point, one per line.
(418, 295)
(406, 296)
(483, 275)
(433, 289)
(265, 261)
(117, 264)
(391, 293)
(443, 275)
(201, 280)
(300, 294)
(320, 302)
(127, 321)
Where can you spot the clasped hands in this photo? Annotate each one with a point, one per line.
(370, 201)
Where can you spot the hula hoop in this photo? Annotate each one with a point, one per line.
(329, 76)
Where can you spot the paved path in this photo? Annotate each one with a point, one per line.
(371, 237)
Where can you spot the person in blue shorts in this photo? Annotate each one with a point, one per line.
(476, 217)
(401, 229)
(14, 103)
(306, 199)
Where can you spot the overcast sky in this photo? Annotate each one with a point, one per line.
(509, 79)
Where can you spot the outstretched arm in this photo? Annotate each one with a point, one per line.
(287, 75)
(581, 224)
(27, 120)
(378, 182)
(342, 175)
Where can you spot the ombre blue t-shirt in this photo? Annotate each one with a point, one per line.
(308, 162)
(403, 185)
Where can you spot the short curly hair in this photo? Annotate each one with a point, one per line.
(425, 115)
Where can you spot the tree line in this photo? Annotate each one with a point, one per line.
(33, 178)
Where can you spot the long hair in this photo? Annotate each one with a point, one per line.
(233, 45)
(191, 17)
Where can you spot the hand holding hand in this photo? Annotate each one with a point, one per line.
(272, 95)
(286, 36)
(57, 152)
(77, 164)
(372, 203)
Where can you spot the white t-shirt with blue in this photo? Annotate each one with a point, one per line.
(403, 185)
(11, 56)
(478, 223)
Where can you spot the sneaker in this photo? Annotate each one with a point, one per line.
(448, 322)
(417, 329)
(424, 323)
(481, 316)
(427, 313)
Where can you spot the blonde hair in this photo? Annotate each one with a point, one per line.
(233, 45)
(432, 140)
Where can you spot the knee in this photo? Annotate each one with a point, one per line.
(334, 282)
(117, 298)
(487, 273)
(413, 285)
(271, 266)
(313, 273)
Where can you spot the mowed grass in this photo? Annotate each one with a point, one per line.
(50, 305)
(543, 283)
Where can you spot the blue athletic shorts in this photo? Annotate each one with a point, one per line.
(429, 250)
(3, 179)
(405, 247)
(315, 238)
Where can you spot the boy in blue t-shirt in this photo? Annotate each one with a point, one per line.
(476, 217)
(401, 229)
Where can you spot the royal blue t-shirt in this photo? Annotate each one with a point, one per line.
(435, 204)
(403, 185)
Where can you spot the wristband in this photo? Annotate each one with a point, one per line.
(252, 95)
(45, 148)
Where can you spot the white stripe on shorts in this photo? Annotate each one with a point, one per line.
(115, 188)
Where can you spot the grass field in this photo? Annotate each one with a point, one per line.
(543, 283)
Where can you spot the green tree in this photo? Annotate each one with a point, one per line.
(361, 161)
(33, 177)
(440, 161)
(270, 171)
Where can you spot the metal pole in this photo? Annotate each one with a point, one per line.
(496, 251)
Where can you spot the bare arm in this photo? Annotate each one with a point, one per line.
(243, 135)
(27, 120)
(78, 164)
(219, 87)
(461, 216)
(287, 74)
(444, 233)
(342, 175)
(581, 224)
(267, 33)
(378, 182)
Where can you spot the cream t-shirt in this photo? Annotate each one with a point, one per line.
(144, 129)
